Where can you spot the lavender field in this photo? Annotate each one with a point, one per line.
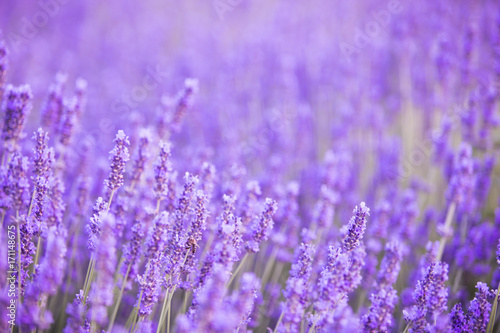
(249, 166)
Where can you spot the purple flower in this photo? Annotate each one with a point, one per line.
(430, 297)
(68, 120)
(296, 291)
(157, 236)
(324, 210)
(262, 226)
(462, 180)
(458, 319)
(356, 228)
(209, 314)
(141, 157)
(479, 309)
(390, 266)
(94, 226)
(56, 206)
(243, 301)
(150, 285)
(3, 66)
(17, 182)
(101, 293)
(208, 178)
(379, 317)
(43, 156)
(183, 102)
(132, 251)
(249, 206)
(119, 156)
(52, 111)
(163, 171)
(17, 105)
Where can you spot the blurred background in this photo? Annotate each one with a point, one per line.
(288, 77)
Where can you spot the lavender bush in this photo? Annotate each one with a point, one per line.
(249, 166)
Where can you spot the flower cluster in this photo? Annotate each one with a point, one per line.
(306, 166)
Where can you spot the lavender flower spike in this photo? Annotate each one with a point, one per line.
(150, 285)
(17, 105)
(262, 226)
(3, 66)
(43, 156)
(462, 180)
(356, 228)
(118, 157)
(163, 170)
(101, 295)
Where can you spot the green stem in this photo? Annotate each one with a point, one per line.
(269, 266)
(110, 200)
(447, 225)
(136, 312)
(166, 303)
(118, 301)
(88, 281)
(237, 269)
(279, 321)
(493, 314)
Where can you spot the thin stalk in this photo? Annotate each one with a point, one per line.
(166, 305)
(110, 200)
(89, 280)
(279, 321)
(157, 206)
(237, 269)
(166, 302)
(449, 220)
(269, 266)
(118, 301)
(136, 312)
(184, 304)
(168, 317)
(38, 246)
(493, 314)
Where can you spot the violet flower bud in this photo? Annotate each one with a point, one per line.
(56, 206)
(17, 182)
(101, 293)
(262, 226)
(17, 105)
(390, 266)
(3, 66)
(458, 319)
(142, 156)
(430, 297)
(157, 236)
(118, 157)
(163, 170)
(94, 226)
(479, 309)
(43, 156)
(208, 175)
(379, 317)
(52, 111)
(356, 228)
(296, 291)
(150, 285)
(68, 121)
(184, 102)
(462, 178)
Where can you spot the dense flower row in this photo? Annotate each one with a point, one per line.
(203, 221)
